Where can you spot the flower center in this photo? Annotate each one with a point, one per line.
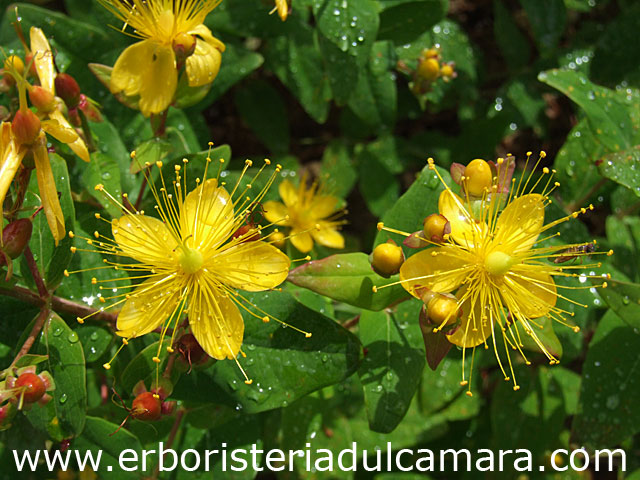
(498, 263)
(190, 260)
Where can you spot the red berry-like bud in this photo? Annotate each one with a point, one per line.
(25, 127)
(190, 350)
(244, 230)
(32, 385)
(146, 407)
(15, 238)
(68, 89)
(168, 407)
(42, 99)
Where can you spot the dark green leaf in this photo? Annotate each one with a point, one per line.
(338, 173)
(404, 22)
(103, 170)
(393, 365)
(624, 299)
(547, 19)
(623, 168)
(348, 278)
(512, 42)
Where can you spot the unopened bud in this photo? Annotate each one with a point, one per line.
(32, 387)
(429, 69)
(15, 237)
(443, 309)
(430, 53)
(277, 239)
(25, 127)
(89, 109)
(146, 407)
(386, 259)
(42, 99)
(247, 233)
(168, 408)
(478, 177)
(436, 226)
(447, 71)
(7, 412)
(68, 89)
(15, 64)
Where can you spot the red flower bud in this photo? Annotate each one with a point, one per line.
(25, 127)
(68, 90)
(190, 350)
(42, 99)
(34, 387)
(146, 407)
(244, 230)
(15, 238)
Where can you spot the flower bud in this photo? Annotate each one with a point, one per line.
(184, 44)
(15, 238)
(429, 69)
(42, 99)
(386, 259)
(436, 226)
(430, 53)
(15, 64)
(277, 239)
(244, 232)
(32, 385)
(447, 71)
(25, 127)
(7, 412)
(146, 407)
(68, 89)
(478, 177)
(190, 350)
(443, 309)
(89, 108)
(168, 408)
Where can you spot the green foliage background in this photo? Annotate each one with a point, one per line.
(322, 92)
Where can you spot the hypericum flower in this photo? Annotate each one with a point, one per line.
(190, 260)
(497, 263)
(173, 35)
(310, 213)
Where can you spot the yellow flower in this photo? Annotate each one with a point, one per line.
(282, 7)
(43, 61)
(172, 34)
(310, 214)
(496, 262)
(191, 260)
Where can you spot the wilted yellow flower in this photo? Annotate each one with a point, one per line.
(310, 213)
(192, 260)
(497, 264)
(173, 35)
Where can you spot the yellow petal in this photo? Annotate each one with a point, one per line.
(78, 146)
(147, 308)
(439, 269)
(465, 230)
(11, 158)
(48, 191)
(147, 69)
(42, 59)
(519, 224)
(59, 132)
(530, 292)
(216, 323)
(328, 236)
(303, 241)
(203, 65)
(252, 266)
(323, 206)
(145, 239)
(288, 193)
(275, 212)
(473, 329)
(283, 9)
(207, 216)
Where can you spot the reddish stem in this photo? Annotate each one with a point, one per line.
(35, 272)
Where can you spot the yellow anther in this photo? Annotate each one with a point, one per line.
(99, 187)
(156, 359)
(107, 366)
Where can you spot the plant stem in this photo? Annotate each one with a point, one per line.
(58, 304)
(580, 202)
(170, 438)
(86, 129)
(35, 272)
(159, 124)
(35, 331)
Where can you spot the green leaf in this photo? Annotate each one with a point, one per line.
(338, 173)
(283, 364)
(64, 415)
(404, 22)
(151, 151)
(142, 367)
(351, 26)
(392, 368)
(607, 412)
(543, 330)
(263, 109)
(513, 44)
(110, 143)
(104, 170)
(378, 185)
(548, 19)
(297, 62)
(623, 168)
(95, 341)
(624, 299)
(419, 201)
(343, 70)
(99, 438)
(348, 278)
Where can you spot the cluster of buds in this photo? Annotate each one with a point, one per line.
(21, 389)
(76, 102)
(431, 68)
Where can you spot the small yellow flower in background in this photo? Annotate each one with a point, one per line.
(309, 213)
(282, 7)
(192, 260)
(173, 35)
(496, 264)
